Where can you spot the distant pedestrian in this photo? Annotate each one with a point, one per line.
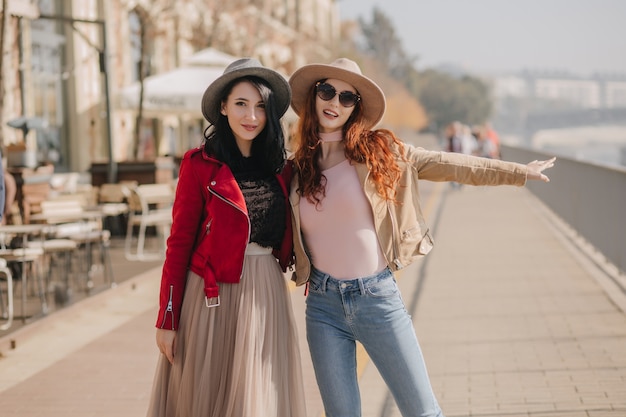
(357, 220)
(225, 326)
(493, 136)
(459, 140)
(454, 141)
(484, 146)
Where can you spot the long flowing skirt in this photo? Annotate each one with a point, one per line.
(240, 359)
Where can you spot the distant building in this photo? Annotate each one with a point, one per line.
(600, 91)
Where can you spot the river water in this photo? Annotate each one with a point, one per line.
(605, 145)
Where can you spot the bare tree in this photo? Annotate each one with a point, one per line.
(239, 27)
(147, 31)
(384, 45)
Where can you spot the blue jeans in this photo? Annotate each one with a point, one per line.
(369, 310)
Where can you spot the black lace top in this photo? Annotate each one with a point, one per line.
(265, 202)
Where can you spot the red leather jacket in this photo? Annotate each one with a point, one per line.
(210, 232)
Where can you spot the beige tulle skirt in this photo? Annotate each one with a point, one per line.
(240, 359)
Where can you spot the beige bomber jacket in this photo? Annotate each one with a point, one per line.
(402, 232)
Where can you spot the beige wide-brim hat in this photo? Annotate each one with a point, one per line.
(372, 97)
(211, 105)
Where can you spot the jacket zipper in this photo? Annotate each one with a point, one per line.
(170, 308)
(227, 201)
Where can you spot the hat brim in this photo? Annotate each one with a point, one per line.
(211, 105)
(372, 97)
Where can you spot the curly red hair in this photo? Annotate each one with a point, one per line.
(378, 149)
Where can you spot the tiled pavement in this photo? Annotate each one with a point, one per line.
(514, 320)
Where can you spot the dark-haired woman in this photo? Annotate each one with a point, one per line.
(225, 327)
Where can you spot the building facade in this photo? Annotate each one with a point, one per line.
(68, 65)
(594, 92)
(532, 101)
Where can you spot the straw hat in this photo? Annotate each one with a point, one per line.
(372, 97)
(243, 67)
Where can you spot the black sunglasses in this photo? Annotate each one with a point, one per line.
(327, 92)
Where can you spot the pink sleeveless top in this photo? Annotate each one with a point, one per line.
(339, 233)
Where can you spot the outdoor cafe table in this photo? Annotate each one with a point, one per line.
(58, 218)
(85, 235)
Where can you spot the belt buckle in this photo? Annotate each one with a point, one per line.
(210, 303)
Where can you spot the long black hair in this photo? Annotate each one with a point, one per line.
(268, 148)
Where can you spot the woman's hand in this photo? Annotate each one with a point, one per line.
(536, 168)
(166, 342)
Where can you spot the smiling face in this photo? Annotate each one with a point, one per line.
(245, 110)
(331, 114)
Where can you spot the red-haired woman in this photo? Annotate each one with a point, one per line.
(357, 220)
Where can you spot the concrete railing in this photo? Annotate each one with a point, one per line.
(591, 198)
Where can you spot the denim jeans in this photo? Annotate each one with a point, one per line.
(369, 310)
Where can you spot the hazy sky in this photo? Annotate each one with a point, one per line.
(580, 36)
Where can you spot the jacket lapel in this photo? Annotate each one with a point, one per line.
(224, 185)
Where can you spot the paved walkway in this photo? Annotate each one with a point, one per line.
(513, 319)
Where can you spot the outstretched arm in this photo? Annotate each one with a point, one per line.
(536, 168)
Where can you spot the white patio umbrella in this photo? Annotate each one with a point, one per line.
(210, 57)
(178, 91)
(175, 92)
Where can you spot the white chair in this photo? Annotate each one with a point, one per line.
(149, 205)
(24, 262)
(112, 202)
(86, 235)
(58, 246)
(7, 311)
(28, 259)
